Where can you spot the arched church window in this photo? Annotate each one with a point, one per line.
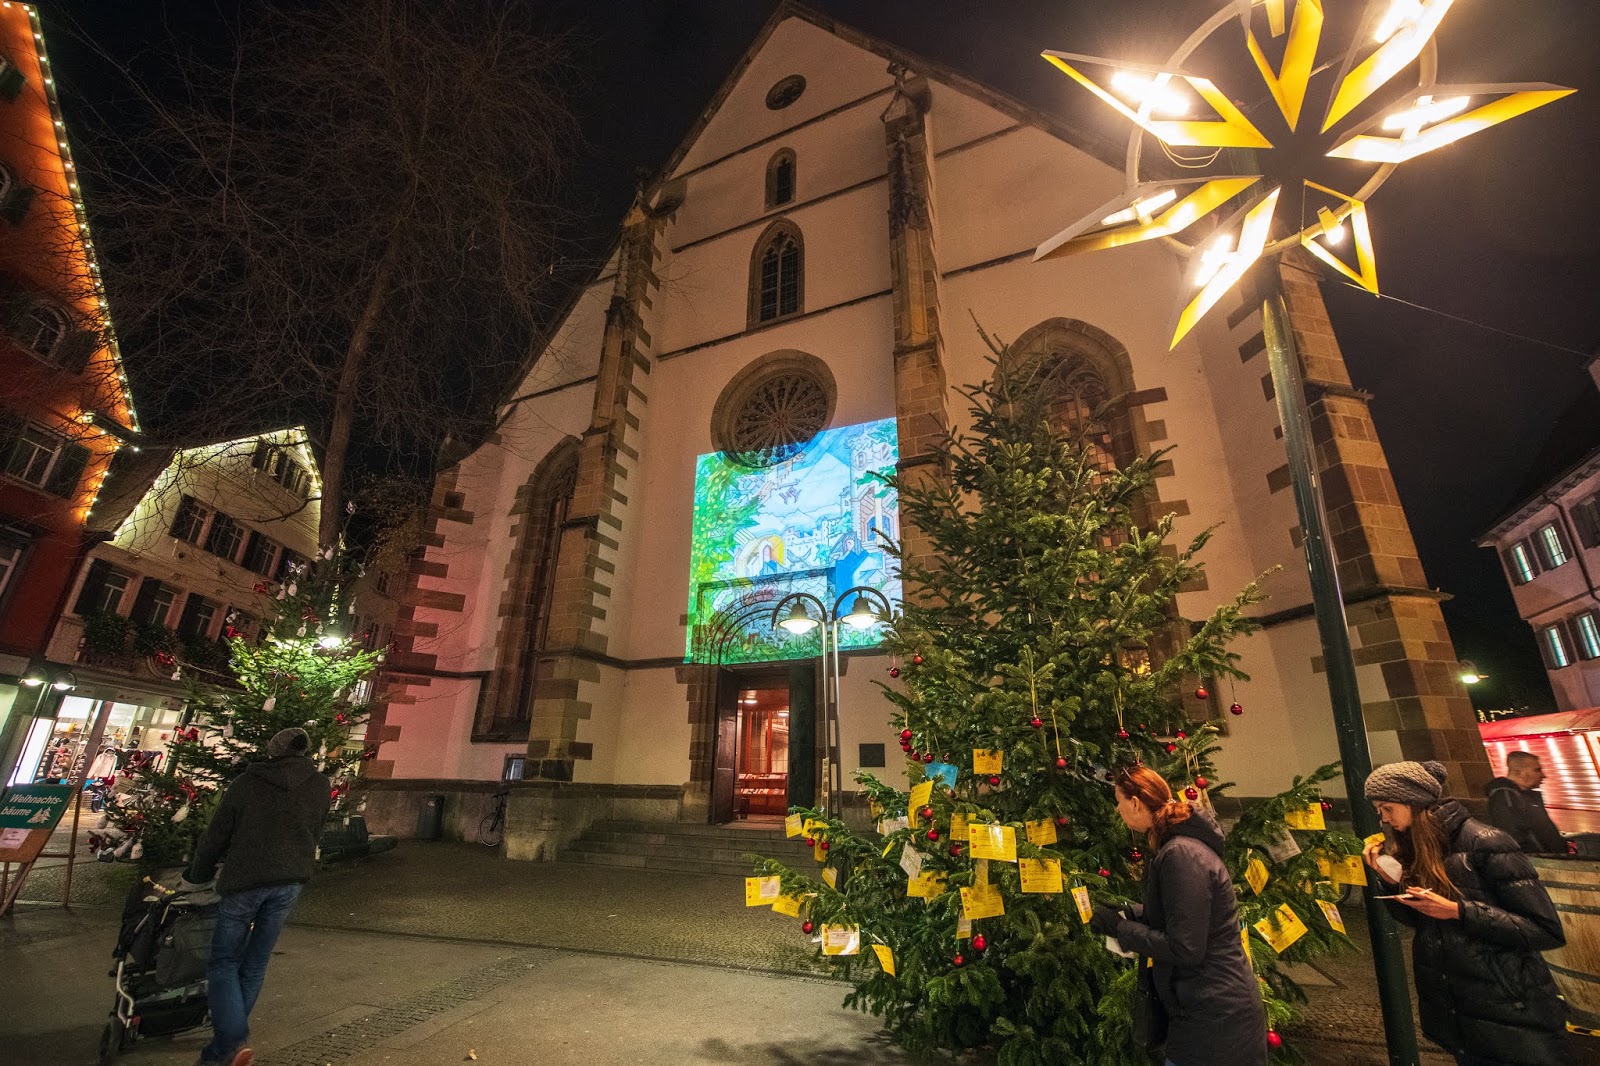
(1078, 396)
(777, 274)
(780, 178)
(773, 409)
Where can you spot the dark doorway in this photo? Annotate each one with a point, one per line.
(766, 750)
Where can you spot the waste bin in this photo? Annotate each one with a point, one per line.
(430, 820)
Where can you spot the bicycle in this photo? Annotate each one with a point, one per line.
(492, 829)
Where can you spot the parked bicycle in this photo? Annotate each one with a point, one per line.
(493, 827)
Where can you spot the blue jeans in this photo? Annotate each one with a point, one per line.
(248, 924)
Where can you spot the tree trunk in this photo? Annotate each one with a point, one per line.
(344, 408)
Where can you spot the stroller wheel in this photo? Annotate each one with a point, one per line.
(115, 1038)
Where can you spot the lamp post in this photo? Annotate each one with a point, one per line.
(1393, 36)
(863, 614)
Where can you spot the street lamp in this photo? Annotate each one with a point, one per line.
(799, 621)
(1469, 673)
(1161, 101)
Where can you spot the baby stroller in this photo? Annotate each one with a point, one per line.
(160, 969)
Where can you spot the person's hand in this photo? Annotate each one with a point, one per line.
(1430, 903)
(1369, 855)
(1105, 920)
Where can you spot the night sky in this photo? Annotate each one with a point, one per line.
(1499, 230)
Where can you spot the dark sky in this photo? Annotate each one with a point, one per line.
(1498, 230)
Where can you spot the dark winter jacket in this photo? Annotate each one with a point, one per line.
(266, 827)
(1190, 927)
(1519, 813)
(1481, 986)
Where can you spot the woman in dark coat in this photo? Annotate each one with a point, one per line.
(1481, 918)
(1189, 926)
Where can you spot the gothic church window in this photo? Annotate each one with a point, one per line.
(777, 274)
(773, 408)
(785, 92)
(780, 179)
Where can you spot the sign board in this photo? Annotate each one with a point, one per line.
(33, 807)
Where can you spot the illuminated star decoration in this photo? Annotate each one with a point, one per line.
(1160, 101)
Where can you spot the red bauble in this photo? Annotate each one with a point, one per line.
(1274, 1041)
(1201, 693)
(926, 812)
(811, 842)
(1062, 820)
(1191, 793)
(894, 671)
(1037, 723)
(978, 943)
(1171, 748)
(905, 746)
(959, 961)
(1235, 709)
(1122, 734)
(1135, 854)
(1201, 782)
(927, 756)
(905, 735)
(1182, 735)
(955, 851)
(933, 834)
(1061, 762)
(1103, 872)
(1142, 728)
(995, 780)
(806, 927)
(824, 845)
(1326, 806)
(916, 660)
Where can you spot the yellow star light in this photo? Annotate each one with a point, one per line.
(1222, 262)
(1329, 229)
(1402, 31)
(1132, 217)
(1425, 121)
(1288, 83)
(1154, 91)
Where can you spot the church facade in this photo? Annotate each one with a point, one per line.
(788, 310)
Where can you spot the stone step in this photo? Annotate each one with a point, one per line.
(684, 864)
(677, 850)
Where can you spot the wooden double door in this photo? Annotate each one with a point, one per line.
(767, 740)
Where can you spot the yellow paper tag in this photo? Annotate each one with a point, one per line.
(982, 901)
(1348, 871)
(980, 872)
(1244, 937)
(794, 825)
(818, 852)
(760, 891)
(1041, 832)
(1324, 867)
(830, 877)
(926, 886)
(1040, 875)
(963, 928)
(1309, 818)
(958, 826)
(885, 958)
(1331, 912)
(1282, 928)
(1080, 896)
(789, 905)
(1255, 874)
(812, 825)
(841, 940)
(1375, 838)
(920, 795)
(987, 761)
(993, 841)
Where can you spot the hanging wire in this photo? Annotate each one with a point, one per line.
(1189, 162)
(1476, 325)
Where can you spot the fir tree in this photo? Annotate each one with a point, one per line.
(303, 669)
(1043, 632)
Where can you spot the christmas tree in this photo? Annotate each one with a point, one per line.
(302, 669)
(1039, 647)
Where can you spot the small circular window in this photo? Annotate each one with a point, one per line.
(786, 92)
(773, 409)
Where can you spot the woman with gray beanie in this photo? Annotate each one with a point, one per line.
(1481, 919)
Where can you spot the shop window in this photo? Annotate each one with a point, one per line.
(1552, 546)
(104, 588)
(777, 274)
(1586, 630)
(34, 454)
(1520, 563)
(780, 178)
(1553, 643)
(260, 554)
(514, 767)
(225, 537)
(153, 605)
(198, 614)
(190, 521)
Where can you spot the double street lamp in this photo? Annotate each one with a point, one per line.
(867, 609)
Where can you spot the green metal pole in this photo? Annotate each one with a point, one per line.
(1388, 957)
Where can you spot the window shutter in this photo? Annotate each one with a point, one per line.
(70, 464)
(94, 584)
(1586, 517)
(144, 602)
(1535, 558)
(73, 353)
(194, 607)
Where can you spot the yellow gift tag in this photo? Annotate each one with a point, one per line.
(920, 795)
(812, 825)
(1040, 875)
(830, 877)
(818, 852)
(1041, 832)
(1255, 874)
(926, 886)
(1348, 870)
(841, 940)
(1080, 896)
(789, 905)
(1324, 867)
(1375, 838)
(1244, 937)
(886, 846)
(885, 958)
(986, 761)
(1309, 818)
(958, 826)
(982, 901)
(963, 928)
(794, 825)
(980, 872)
(1282, 928)
(1331, 912)
(993, 841)
(760, 891)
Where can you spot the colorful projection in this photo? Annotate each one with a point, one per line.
(815, 523)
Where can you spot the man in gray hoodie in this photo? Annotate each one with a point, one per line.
(264, 834)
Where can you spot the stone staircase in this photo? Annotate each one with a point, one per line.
(681, 847)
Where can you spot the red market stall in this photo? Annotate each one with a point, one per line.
(1568, 745)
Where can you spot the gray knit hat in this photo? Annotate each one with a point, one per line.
(1416, 784)
(292, 741)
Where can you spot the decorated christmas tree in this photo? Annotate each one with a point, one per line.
(302, 669)
(1039, 647)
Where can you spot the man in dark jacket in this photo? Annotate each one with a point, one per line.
(265, 836)
(1516, 807)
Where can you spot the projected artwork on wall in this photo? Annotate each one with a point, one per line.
(814, 523)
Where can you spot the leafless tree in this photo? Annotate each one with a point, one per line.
(356, 224)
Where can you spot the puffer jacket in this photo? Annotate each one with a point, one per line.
(1190, 928)
(1482, 988)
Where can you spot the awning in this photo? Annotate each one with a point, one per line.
(1537, 725)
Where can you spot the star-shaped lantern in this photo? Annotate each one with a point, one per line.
(1162, 101)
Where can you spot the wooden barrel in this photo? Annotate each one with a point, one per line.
(1574, 886)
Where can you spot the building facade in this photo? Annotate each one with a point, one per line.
(64, 406)
(787, 310)
(1549, 546)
